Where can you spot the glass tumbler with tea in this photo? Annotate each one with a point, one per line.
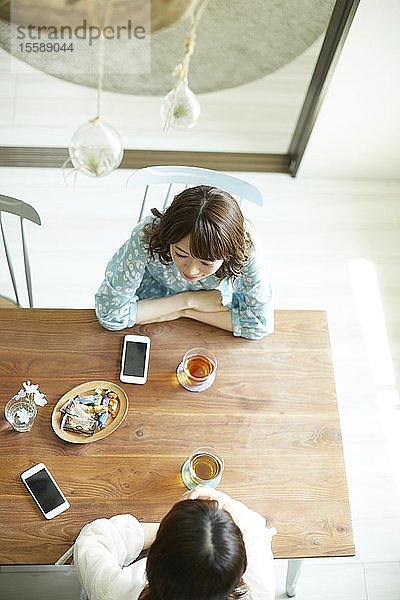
(196, 371)
(203, 467)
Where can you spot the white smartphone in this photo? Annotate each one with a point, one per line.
(135, 359)
(45, 491)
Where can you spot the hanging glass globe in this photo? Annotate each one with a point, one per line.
(186, 111)
(96, 149)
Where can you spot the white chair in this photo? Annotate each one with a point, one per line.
(191, 176)
(66, 556)
(23, 211)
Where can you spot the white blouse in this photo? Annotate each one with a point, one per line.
(105, 549)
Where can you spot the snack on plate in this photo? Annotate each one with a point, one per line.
(78, 425)
(88, 414)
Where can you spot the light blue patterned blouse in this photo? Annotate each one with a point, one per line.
(132, 275)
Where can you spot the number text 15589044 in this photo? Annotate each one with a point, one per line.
(46, 47)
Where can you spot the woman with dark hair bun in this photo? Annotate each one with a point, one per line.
(197, 259)
(200, 540)
(207, 547)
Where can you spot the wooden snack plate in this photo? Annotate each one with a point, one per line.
(87, 389)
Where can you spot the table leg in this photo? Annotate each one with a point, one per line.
(293, 572)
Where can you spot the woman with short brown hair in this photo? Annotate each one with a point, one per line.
(198, 259)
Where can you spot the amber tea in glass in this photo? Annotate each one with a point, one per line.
(196, 372)
(198, 367)
(203, 467)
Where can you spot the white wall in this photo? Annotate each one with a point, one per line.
(357, 132)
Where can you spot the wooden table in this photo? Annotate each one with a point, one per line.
(271, 413)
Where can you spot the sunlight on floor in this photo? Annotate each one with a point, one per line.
(370, 309)
(389, 405)
(369, 304)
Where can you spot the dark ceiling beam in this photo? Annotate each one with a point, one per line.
(12, 156)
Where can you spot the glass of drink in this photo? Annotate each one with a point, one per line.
(203, 467)
(196, 371)
(21, 413)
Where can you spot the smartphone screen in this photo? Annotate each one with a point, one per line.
(135, 359)
(43, 489)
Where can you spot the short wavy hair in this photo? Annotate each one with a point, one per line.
(198, 553)
(215, 223)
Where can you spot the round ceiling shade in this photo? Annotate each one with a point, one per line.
(237, 42)
(161, 13)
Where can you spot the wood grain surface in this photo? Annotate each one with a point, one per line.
(271, 413)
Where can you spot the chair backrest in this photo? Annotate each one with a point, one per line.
(191, 176)
(23, 211)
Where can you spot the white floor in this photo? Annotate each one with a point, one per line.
(311, 230)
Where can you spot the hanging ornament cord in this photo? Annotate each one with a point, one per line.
(181, 71)
(100, 77)
(100, 61)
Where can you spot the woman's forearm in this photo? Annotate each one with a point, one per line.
(202, 305)
(221, 319)
(150, 310)
(150, 532)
